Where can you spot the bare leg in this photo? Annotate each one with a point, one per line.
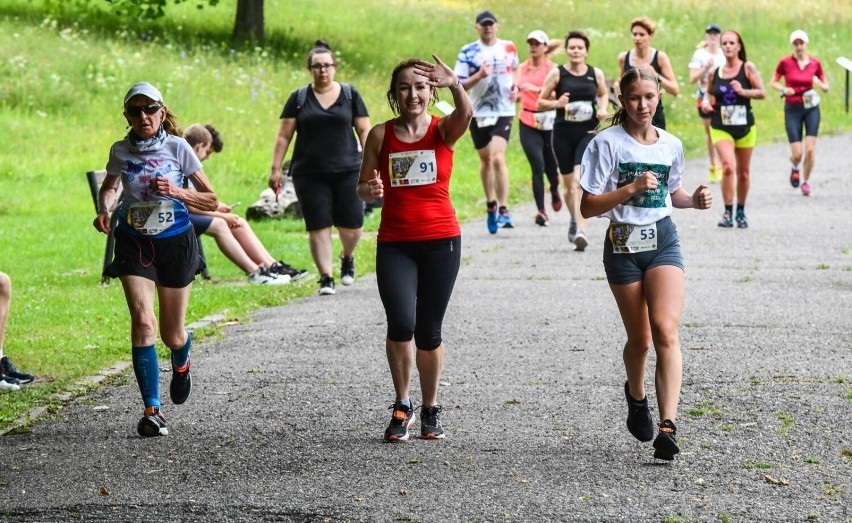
(725, 148)
(796, 153)
(349, 239)
(743, 174)
(251, 244)
(493, 171)
(430, 363)
(634, 314)
(5, 298)
(321, 249)
(230, 246)
(139, 293)
(573, 195)
(664, 291)
(173, 304)
(400, 360)
(810, 151)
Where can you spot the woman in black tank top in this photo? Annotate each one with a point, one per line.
(643, 55)
(728, 100)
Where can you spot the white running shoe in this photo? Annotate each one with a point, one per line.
(8, 387)
(264, 277)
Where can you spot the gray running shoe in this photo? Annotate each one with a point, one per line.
(580, 241)
(430, 422)
(572, 231)
(153, 425)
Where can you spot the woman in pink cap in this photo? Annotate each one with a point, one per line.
(802, 73)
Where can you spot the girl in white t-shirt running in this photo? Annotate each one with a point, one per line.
(631, 173)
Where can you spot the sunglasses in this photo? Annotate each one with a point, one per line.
(136, 110)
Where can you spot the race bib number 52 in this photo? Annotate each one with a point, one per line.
(413, 168)
(151, 218)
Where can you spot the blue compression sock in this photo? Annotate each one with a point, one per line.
(147, 370)
(181, 356)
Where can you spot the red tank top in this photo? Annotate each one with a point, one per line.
(416, 178)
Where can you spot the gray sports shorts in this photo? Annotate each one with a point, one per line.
(625, 268)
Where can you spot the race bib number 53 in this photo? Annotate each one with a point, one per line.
(627, 238)
(151, 218)
(413, 168)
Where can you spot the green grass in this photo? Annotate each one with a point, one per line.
(63, 74)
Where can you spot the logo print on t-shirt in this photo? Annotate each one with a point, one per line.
(629, 171)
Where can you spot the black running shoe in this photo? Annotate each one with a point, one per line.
(665, 446)
(401, 420)
(7, 369)
(638, 417)
(152, 425)
(794, 177)
(347, 270)
(742, 223)
(430, 422)
(181, 384)
(282, 268)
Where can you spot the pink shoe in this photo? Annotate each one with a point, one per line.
(806, 189)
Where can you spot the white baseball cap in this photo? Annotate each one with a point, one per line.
(145, 89)
(539, 36)
(798, 34)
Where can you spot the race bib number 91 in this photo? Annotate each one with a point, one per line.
(412, 168)
(151, 218)
(627, 238)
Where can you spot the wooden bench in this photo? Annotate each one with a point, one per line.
(96, 179)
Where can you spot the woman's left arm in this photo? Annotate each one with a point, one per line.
(602, 95)
(668, 80)
(701, 199)
(757, 92)
(202, 197)
(362, 128)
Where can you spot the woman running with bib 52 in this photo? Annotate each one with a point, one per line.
(632, 174)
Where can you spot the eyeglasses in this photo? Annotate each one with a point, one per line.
(320, 67)
(136, 110)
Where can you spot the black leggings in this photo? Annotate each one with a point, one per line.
(416, 281)
(539, 151)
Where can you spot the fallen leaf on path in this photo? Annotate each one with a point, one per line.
(775, 481)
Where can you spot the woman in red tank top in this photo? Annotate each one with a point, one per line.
(408, 161)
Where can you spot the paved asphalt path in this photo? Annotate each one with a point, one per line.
(286, 417)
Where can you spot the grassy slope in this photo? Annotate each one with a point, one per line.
(62, 77)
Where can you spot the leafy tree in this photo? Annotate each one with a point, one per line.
(248, 23)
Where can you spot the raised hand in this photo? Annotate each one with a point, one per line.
(438, 74)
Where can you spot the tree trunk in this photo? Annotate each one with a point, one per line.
(248, 25)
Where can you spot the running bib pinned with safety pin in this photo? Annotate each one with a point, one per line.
(734, 115)
(628, 238)
(151, 218)
(810, 98)
(413, 168)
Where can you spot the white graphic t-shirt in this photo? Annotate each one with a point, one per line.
(491, 96)
(614, 159)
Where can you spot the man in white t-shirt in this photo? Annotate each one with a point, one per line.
(486, 69)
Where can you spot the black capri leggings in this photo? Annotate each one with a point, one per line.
(416, 281)
(537, 147)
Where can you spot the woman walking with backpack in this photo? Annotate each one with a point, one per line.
(325, 163)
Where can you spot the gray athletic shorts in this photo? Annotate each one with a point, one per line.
(622, 269)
